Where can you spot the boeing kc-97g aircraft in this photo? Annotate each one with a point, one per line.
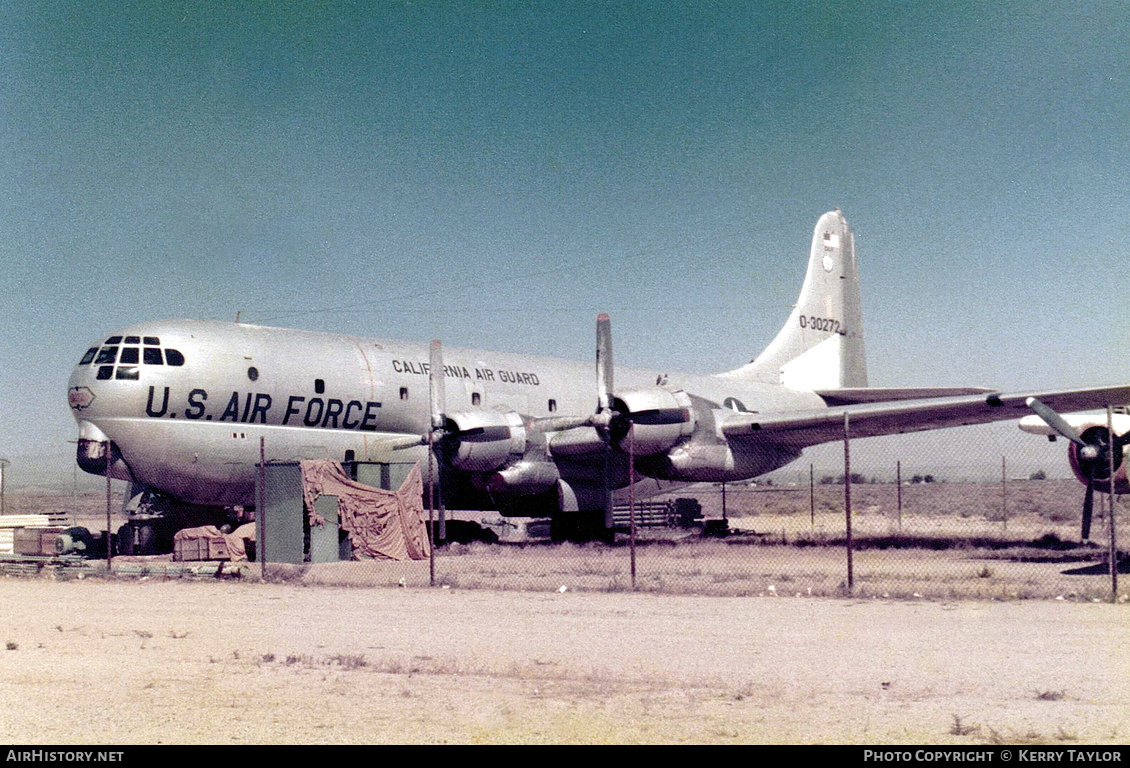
(182, 405)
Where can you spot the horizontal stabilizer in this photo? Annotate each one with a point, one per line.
(858, 395)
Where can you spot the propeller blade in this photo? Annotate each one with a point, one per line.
(1088, 506)
(603, 416)
(436, 395)
(1055, 421)
(437, 402)
(603, 362)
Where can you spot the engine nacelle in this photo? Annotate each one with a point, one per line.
(662, 419)
(524, 477)
(1083, 467)
(483, 441)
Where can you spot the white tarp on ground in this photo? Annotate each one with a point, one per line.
(385, 525)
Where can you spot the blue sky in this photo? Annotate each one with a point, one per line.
(495, 174)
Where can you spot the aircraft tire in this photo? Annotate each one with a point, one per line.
(146, 540)
(125, 540)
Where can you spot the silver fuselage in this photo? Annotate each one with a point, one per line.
(193, 430)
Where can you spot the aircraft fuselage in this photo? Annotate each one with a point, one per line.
(185, 403)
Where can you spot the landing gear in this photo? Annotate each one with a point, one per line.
(139, 537)
(154, 517)
(126, 540)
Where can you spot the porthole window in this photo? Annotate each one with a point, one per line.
(475, 398)
(319, 386)
(552, 406)
(404, 393)
(253, 373)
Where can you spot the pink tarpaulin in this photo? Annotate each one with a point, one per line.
(387, 525)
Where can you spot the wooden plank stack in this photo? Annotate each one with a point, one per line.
(10, 523)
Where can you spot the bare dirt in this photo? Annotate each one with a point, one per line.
(143, 658)
(128, 661)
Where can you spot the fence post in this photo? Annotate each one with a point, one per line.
(898, 485)
(812, 496)
(109, 523)
(261, 511)
(632, 496)
(1004, 495)
(433, 538)
(1113, 548)
(847, 501)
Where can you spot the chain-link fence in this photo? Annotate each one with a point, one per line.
(983, 512)
(979, 512)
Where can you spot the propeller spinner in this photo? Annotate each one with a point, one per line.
(1093, 454)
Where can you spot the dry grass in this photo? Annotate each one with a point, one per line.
(950, 541)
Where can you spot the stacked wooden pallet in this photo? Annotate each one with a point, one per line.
(9, 524)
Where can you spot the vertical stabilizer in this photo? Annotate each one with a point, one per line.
(821, 345)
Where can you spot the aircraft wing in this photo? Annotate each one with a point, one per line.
(868, 419)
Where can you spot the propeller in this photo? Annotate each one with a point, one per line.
(437, 405)
(1093, 454)
(602, 419)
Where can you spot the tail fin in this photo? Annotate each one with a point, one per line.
(821, 345)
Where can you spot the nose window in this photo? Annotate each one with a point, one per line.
(129, 358)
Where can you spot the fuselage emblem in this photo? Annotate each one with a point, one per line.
(80, 398)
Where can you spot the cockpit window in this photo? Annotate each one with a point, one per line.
(129, 358)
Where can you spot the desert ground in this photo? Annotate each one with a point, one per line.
(550, 645)
(131, 661)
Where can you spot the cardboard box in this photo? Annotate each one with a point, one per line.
(38, 542)
(200, 549)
